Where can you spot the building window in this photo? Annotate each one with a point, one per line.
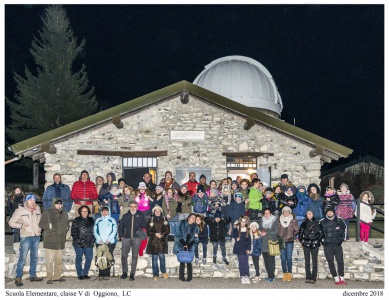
(241, 162)
(139, 162)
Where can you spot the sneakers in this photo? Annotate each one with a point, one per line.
(226, 261)
(155, 277)
(36, 278)
(86, 277)
(165, 276)
(214, 259)
(124, 276)
(307, 280)
(243, 280)
(313, 281)
(197, 262)
(247, 280)
(336, 280)
(256, 279)
(269, 279)
(341, 280)
(18, 282)
(204, 260)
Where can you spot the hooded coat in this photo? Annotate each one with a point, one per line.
(157, 245)
(303, 203)
(55, 224)
(317, 202)
(185, 236)
(310, 234)
(105, 229)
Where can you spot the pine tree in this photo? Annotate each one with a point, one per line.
(55, 96)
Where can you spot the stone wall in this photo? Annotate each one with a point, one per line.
(361, 263)
(149, 130)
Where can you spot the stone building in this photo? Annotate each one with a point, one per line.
(225, 124)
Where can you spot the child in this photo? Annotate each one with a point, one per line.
(367, 214)
(124, 201)
(157, 197)
(269, 201)
(242, 247)
(184, 203)
(237, 207)
(217, 234)
(169, 205)
(244, 189)
(256, 248)
(255, 196)
(304, 202)
(143, 199)
(212, 185)
(347, 205)
(288, 198)
(203, 239)
(111, 200)
(317, 201)
(331, 199)
(200, 201)
(215, 203)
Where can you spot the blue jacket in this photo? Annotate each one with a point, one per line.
(200, 205)
(256, 246)
(303, 203)
(105, 229)
(113, 204)
(50, 194)
(244, 243)
(181, 238)
(236, 210)
(316, 207)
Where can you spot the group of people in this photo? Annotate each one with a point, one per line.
(250, 212)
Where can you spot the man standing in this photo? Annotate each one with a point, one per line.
(284, 183)
(192, 184)
(149, 183)
(203, 182)
(334, 233)
(59, 190)
(130, 226)
(54, 222)
(26, 218)
(83, 190)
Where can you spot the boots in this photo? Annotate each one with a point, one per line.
(18, 282)
(189, 268)
(181, 272)
(285, 277)
(289, 277)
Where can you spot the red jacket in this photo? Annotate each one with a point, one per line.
(192, 187)
(82, 190)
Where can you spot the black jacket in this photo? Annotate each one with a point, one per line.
(334, 231)
(217, 230)
(82, 232)
(130, 224)
(283, 201)
(310, 234)
(332, 203)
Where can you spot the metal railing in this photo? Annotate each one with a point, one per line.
(358, 219)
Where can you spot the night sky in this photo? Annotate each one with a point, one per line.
(327, 60)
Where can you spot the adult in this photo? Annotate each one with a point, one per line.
(14, 201)
(105, 231)
(26, 218)
(83, 240)
(304, 202)
(169, 181)
(184, 203)
(285, 182)
(346, 207)
(110, 177)
(157, 197)
(192, 184)
(238, 179)
(158, 230)
(269, 231)
(142, 197)
(334, 233)
(203, 181)
(54, 222)
(99, 183)
(310, 237)
(129, 227)
(287, 229)
(186, 236)
(252, 177)
(149, 183)
(121, 183)
(83, 190)
(59, 190)
(317, 201)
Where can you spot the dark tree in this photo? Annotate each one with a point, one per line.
(56, 95)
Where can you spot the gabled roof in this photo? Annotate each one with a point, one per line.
(342, 168)
(33, 145)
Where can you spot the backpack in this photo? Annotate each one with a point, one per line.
(104, 258)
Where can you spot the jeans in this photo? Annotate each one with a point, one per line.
(162, 266)
(29, 243)
(307, 255)
(222, 247)
(286, 257)
(205, 248)
(337, 252)
(88, 252)
(173, 225)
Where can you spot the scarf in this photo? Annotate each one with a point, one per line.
(285, 221)
(331, 219)
(267, 223)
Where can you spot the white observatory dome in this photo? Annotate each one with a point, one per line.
(243, 80)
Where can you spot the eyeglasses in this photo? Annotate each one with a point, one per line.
(84, 211)
(168, 176)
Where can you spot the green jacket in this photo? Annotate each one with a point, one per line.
(54, 237)
(255, 196)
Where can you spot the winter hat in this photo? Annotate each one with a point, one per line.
(254, 224)
(218, 214)
(142, 185)
(157, 207)
(234, 182)
(238, 195)
(289, 188)
(284, 176)
(287, 208)
(184, 186)
(58, 201)
(330, 209)
(114, 184)
(200, 188)
(215, 191)
(202, 176)
(269, 190)
(30, 197)
(159, 188)
(82, 172)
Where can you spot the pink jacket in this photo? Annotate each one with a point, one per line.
(143, 202)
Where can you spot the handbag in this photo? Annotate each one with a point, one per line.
(281, 242)
(185, 256)
(274, 248)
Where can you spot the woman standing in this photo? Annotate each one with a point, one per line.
(269, 231)
(13, 203)
(158, 231)
(310, 236)
(242, 247)
(83, 240)
(203, 239)
(186, 236)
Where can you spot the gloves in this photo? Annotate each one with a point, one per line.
(182, 242)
